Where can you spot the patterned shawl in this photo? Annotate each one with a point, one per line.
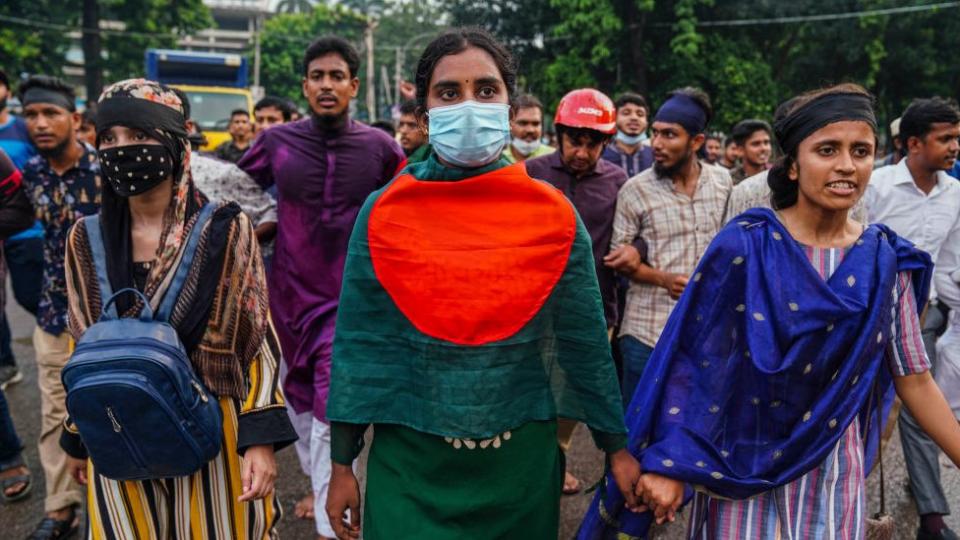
(221, 315)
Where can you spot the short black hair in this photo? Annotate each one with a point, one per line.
(408, 107)
(4, 80)
(746, 128)
(184, 100)
(279, 104)
(715, 137)
(385, 126)
(336, 45)
(455, 42)
(51, 84)
(920, 116)
(239, 111)
(700, 97)
(527, 101)
(632, 98)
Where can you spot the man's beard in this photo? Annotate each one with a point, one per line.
(330, 122)
(664, 171)
(56, 151)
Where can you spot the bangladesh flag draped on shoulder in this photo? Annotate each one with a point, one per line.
(470, 306)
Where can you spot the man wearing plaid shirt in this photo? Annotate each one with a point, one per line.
(676, 207)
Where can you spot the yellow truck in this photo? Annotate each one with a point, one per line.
(215, 83)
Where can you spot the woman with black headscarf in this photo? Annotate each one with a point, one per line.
(220, 317)
(768, 389)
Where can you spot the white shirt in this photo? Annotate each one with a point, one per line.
(946, 279)
(924, 219)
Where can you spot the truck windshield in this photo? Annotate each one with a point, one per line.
(211, 110)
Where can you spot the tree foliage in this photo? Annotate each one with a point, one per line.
(40, 44)
(653, 46)
(163, 20)
(285, 37)
(404, 26)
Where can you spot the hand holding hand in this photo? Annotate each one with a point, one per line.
(626, 473)
(662, 494)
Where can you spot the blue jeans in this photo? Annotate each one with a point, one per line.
(10, 445)
(635, 355)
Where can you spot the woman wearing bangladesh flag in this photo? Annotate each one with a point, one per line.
(470, 320)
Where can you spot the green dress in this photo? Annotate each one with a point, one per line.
(423, 486)
(470, 320)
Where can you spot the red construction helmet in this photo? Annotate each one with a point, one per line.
(587, 108)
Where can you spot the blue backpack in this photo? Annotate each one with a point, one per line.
(141, 411)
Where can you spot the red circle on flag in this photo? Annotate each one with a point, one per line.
(471, 261)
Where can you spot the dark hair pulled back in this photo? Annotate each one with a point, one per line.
(784, 192)
(455, 42)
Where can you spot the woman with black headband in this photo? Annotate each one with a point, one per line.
(221, 318)
(767, 388)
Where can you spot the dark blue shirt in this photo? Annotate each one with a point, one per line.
(59, 201)
(632, 164)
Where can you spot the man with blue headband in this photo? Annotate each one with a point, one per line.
(676, 207)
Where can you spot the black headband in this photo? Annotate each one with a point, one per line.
(792, 129)
(140, 114)
(52, 97)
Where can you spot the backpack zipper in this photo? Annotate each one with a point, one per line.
(199, 390)
(113, 419)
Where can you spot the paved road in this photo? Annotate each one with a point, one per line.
(17, 520)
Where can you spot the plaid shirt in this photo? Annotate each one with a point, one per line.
(677, 230)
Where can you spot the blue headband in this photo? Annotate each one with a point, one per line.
(684, 110)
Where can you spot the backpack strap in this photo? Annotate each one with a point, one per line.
(186, 261)
(95, 238)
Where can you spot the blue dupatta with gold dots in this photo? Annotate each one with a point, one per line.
(762, 366)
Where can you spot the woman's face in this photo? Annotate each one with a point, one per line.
(124, 136)
(833, 165)
(469, 75)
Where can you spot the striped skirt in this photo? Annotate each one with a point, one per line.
(827, 502)
(200, 506)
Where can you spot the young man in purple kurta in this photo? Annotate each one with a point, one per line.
(323, 167)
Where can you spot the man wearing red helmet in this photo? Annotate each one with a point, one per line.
(585, 122)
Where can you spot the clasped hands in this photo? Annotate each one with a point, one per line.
(645, 491)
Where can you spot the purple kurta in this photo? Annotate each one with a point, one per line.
(322, 179)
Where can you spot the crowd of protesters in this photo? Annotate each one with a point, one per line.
(731, 316)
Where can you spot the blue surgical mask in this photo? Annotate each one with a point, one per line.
(469, 134)
(525, 148)
(631, 140)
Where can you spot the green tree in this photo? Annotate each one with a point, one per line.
(149, 24)
(40, 43)
(285, 37)
(25, 46)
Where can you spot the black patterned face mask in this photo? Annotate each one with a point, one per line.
(135, 169)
